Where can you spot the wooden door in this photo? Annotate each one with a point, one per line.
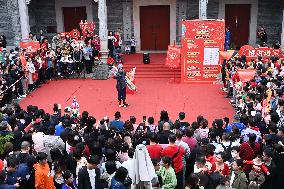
(73, 16)
(237, 18)
(155, 27)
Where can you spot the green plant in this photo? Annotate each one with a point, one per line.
(4, 140)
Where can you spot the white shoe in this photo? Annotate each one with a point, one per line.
(23, 96)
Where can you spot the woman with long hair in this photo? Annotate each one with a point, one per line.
(164, 117)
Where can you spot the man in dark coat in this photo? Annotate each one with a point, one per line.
(121, 86)
(269, 182)
(89, 176)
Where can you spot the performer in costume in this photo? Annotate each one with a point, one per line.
(75, 110)
(121, 86)
(130, 75)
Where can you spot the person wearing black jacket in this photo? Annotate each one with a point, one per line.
(16, 74)
(77, 58)
(121, 86)
(164, 134)
(89, 176)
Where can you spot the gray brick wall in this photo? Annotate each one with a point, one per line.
(10, 21)
(212, 9)
(270, 15)
(181, 14)
(95, 17)
(192, 9)
(115, 15)
(42, 14)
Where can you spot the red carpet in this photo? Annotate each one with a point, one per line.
(156, 68)
(153, 95)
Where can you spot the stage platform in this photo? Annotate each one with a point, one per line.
(99, 98)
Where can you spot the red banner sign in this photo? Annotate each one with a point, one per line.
(30, 46)
(202, 40)
(87, 27)
(173, 56)
(264, 52)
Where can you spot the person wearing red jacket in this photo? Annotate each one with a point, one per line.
(249, 150)
(117, 41)
(220, 165)
(154, 149)
(176, 153)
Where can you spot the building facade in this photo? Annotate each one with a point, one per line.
(154, 23)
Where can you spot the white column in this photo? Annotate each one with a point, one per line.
(103, 32)
(282, 35)
(203, 9)
(24, 18)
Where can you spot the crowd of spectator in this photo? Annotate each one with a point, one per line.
(24, 70)
(60, 150)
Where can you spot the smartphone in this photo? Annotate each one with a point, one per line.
(144, 119)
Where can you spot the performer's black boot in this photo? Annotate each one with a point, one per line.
(120, 104)
(125, 104)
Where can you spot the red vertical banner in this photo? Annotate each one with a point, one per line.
(202, 40)
(173, 56)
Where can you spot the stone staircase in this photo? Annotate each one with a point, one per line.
(156, 68)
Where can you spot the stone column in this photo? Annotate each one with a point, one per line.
(203, 9)
(102, 70)
(24, 19)
(103, 32)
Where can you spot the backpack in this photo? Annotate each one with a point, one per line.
(227, 151)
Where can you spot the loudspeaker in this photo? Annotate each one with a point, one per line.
(146, 58)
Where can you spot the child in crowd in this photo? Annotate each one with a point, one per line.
(133, 43)
(69, 182)
(256, 176)
(126, 49)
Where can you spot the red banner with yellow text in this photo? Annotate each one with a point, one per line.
(30, 47)
(173, 56)
(202, 40)
(264, 52)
